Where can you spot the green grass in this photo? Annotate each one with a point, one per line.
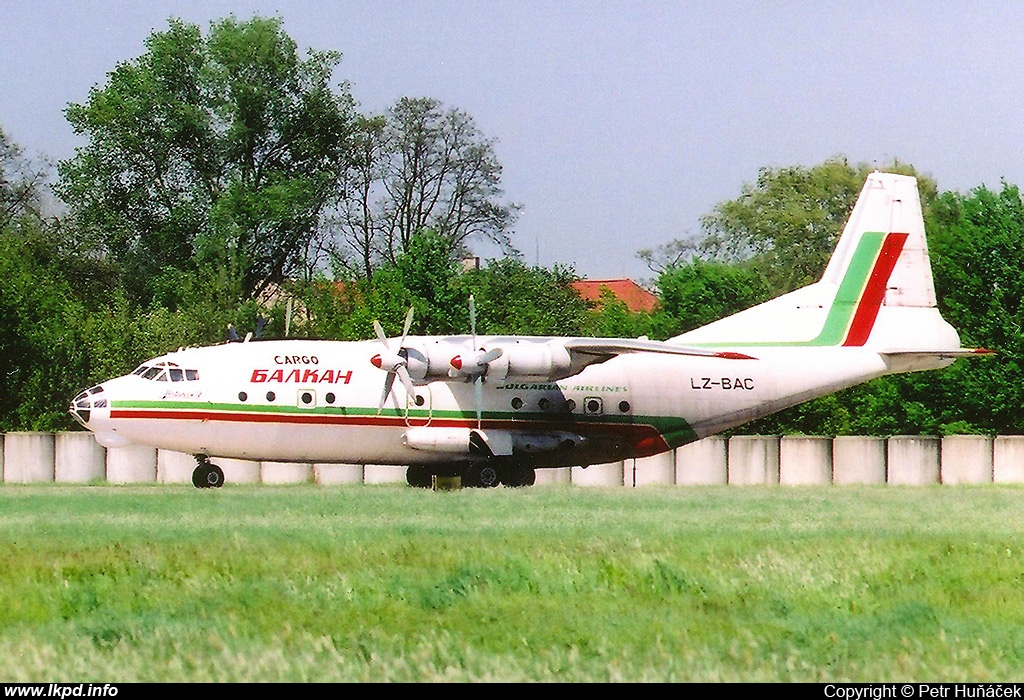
(386, 583)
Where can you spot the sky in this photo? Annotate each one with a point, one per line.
(618, 124)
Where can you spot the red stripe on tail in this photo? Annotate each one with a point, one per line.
(874, 293)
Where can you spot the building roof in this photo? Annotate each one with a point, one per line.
(635, 297)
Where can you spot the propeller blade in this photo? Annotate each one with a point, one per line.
(403, 374)
(380, 332)
(472, 319)
(491, 356)
(478, 395)
(388, 382)
(408, 324)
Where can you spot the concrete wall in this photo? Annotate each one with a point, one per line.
(858, 459)
(966, 459)
(79, 459)
(805, 460)
(753, 460)
(33, 457)
(703, 463)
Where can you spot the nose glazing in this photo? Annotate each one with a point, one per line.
(82, 405)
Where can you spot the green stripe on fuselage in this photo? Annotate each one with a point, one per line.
(676, 431)
(837, 324)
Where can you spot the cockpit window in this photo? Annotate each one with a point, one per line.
(167, 371)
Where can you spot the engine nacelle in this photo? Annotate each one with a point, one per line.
(519, 359)
(531, 361)
(429, 361)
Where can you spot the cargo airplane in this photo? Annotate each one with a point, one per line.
(493, 409)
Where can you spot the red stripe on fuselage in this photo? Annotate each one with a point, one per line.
(642, 436)
(874, 293)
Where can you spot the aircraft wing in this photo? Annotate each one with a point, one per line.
(606, 348)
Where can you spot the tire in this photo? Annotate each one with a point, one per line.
(214, 477)
(199, 476)
(207, 476)
(418, 477)
(482, 475)
(518, 476)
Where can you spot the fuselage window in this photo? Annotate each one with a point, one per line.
(242, 396)
(271, 396)
(329, 397)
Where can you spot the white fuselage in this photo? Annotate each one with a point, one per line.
(318, 401)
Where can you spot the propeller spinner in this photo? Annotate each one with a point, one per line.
(394, 362)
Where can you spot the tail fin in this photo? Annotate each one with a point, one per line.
(876, 291)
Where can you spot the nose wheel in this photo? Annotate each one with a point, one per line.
(207, 475)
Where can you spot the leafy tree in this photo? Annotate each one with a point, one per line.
(513, 298)
(220, 151)
(20, 182)
(786, 223)
(420, 167)
(704, 291)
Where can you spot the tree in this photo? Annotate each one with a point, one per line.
(421, 167)
(786, 223)
(704, 291)
(20, 182)
(210, 152)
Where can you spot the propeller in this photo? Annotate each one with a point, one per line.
(394, 362)
(473, 364)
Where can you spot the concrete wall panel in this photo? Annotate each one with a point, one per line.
(384, 474)
(1008, 459)
(557, 475)
(703, 463)
(753, 459)
(174, 467)
(29, 458)
(659, 469)
(239, 471)
(79, 459)
(609, 474)
(805, 460)
(913, 460)
(285, 472)
(966, 459)
(858, 460)
(133, 464)
(331, 474)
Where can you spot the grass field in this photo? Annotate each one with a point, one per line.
(554, 583)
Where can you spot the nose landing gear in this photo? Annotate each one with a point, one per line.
(207, 475)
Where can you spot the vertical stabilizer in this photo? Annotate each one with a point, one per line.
(876, 291)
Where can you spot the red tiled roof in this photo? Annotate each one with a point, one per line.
(635, 297)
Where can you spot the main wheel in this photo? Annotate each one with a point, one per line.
(207, 476)
(517, 476)
(481, 475)
(418, 476)
(214, 477)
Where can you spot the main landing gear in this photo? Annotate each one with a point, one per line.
(207, 475)
(482, 475)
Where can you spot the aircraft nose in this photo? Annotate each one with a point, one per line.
(84, 403)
